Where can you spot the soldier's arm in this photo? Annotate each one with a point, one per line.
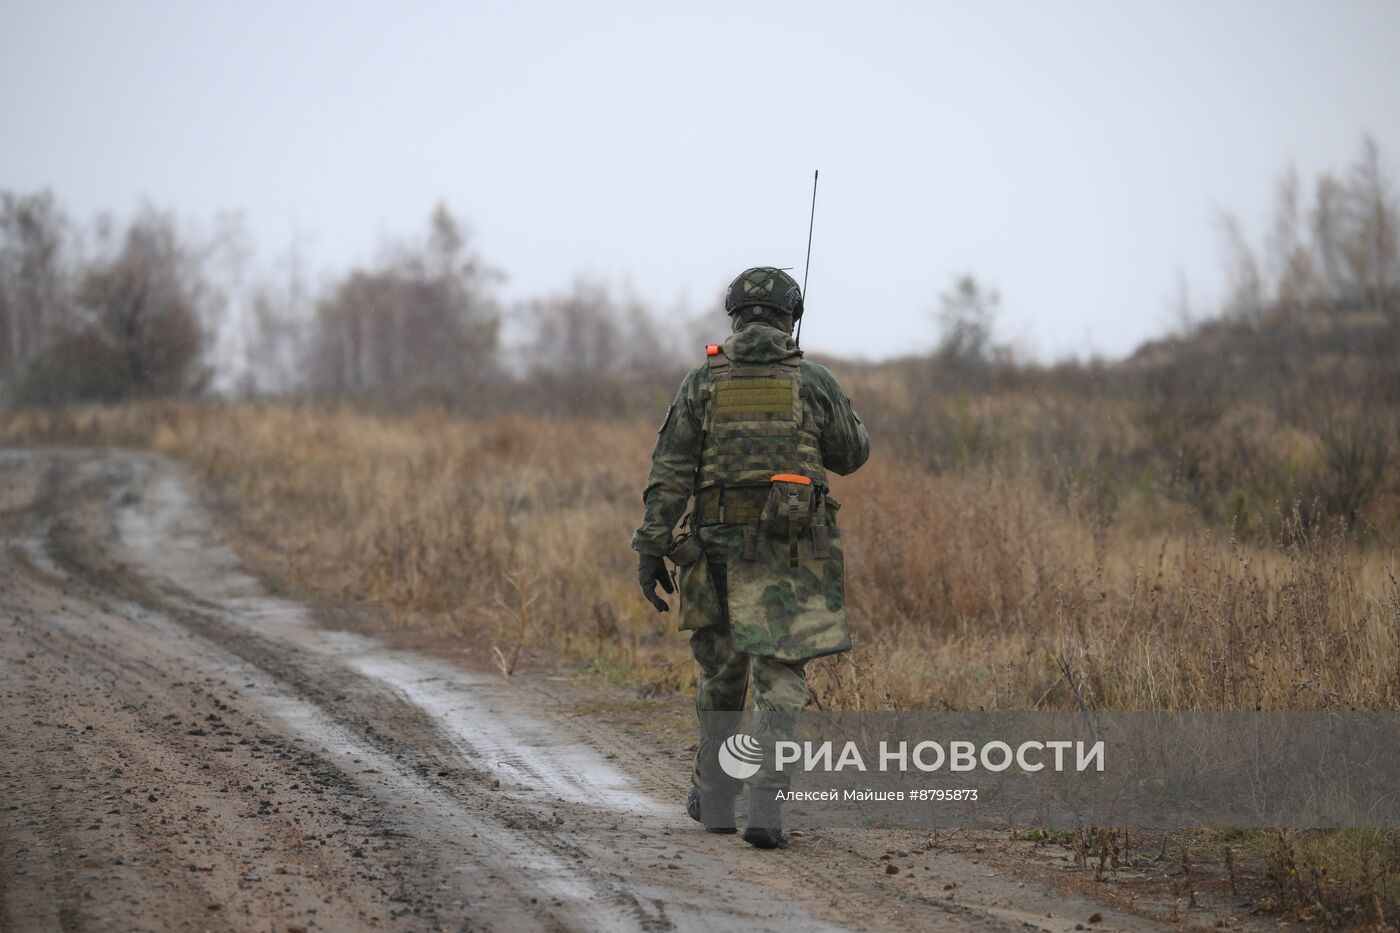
(845, 443)
(674, 461)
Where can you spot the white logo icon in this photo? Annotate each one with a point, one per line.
(740, 756)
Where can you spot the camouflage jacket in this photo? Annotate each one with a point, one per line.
(772, 609)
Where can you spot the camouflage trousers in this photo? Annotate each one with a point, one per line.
(780, 692)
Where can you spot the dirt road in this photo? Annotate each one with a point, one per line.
(181, 749)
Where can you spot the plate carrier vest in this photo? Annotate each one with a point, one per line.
(759, 460)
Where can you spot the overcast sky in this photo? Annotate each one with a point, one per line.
(1075, 155)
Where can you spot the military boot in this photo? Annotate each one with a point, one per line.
(716, 812)
(765, 829)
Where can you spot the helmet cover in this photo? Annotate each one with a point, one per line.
(767, 286)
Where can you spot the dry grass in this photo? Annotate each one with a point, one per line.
(968, 589)
(971, 588)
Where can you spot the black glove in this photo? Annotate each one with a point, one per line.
(651, 571)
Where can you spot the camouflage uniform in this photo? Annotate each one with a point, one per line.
(768, 594)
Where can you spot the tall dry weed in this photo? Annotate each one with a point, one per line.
(967, 589)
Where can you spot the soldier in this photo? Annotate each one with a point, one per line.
(751, 436)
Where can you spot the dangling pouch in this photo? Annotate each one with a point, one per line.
(701, 605)
(821, 537)
(685, 550)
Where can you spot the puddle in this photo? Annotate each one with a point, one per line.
(518, 748)
(163, 533)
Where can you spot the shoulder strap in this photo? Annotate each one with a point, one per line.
(714, 355)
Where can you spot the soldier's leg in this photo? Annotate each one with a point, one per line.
(724, 676)
(780, 692)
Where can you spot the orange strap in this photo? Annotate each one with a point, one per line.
(791, 478)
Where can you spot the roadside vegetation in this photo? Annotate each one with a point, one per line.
(1210, 524)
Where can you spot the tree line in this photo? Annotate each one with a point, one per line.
(110, 311)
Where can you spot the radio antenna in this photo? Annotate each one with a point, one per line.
(811, 222)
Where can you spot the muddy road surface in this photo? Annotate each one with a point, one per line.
(180, 749)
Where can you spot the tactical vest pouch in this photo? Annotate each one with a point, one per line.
(788, 511)
(788, 508)
(732, 505)
(794, 509)
(685, 550)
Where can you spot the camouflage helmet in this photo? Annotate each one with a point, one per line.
(764, 285)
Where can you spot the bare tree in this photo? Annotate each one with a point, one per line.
(575, 334)
(966, 315)
(1356, 235)
(591, 350)
(1183, 315)
(145, 302)
(588, 331)
(129, 326)
(278, 331)
(1328, 224)
(422, 323)
(1290, 259)
(1245, 301)
(1373, 248)
(33, 277)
